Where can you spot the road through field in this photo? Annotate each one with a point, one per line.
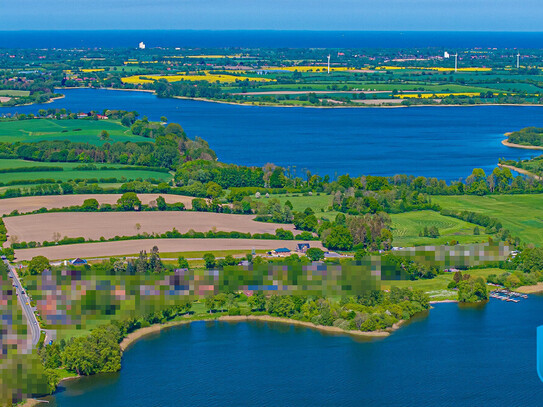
(126, 247)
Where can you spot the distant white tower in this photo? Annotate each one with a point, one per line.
(141, 45)
(518, 60)
(328, 63)
(447, 55)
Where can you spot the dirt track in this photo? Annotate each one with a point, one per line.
(93, 225)
(119, 248)
(32, 203)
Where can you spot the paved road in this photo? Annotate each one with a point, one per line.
(31, 320)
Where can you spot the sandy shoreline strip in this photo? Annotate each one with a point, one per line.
(134, 336)
(443, 301)
(513, 145)
(520, 171)
(530, 289)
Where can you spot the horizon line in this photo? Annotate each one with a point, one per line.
(276, 30)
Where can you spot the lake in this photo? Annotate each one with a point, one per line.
(452, 356)
(442, 142)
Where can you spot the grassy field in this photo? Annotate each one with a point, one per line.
(407, 226)
(70, 173)
(436, 287)
(521, 214)
(8, 92)
(319, 203)
(75, 130)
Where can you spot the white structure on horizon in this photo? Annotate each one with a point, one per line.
(328, 63)
(141, 45)
(518, 60)
(447, 55)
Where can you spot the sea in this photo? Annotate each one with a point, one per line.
(268, 39)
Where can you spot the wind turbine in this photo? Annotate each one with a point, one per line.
(328, 63)
(518, 60)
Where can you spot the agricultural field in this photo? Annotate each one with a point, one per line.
(208, 77)
(75, 130)
(93, 225)
(69, 172)
(32, 203)
(407, 226)
(14, 93)
(178, 246)
(521, 214)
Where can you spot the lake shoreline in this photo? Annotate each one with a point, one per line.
(520, 171)
(142, 332)
(361, 106)
(513, 145)
(530, 289)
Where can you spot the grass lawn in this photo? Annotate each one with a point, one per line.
(69, 173)
(407, 226)
(8, 92)
(521, 214)
(319, 203)
(436, 287)
(75, 130)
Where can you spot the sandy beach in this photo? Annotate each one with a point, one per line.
(513, 145)
(530, 289)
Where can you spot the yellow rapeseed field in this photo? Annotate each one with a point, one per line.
(136, 79)
(92, 70)
(211, 56)
(306, 68)
(140, 62)
(434, 68)
(438, 95)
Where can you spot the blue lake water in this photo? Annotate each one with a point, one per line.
(452, 356)
(442, 142)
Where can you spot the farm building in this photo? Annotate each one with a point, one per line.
(78, 262)
(283, 251)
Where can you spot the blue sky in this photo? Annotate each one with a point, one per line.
(374, 15)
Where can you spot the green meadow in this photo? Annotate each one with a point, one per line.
(319, 203)
(75, 130)
(407, 226)
(70, 173)
(521, 214)
(10, 92)
(436, 287)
